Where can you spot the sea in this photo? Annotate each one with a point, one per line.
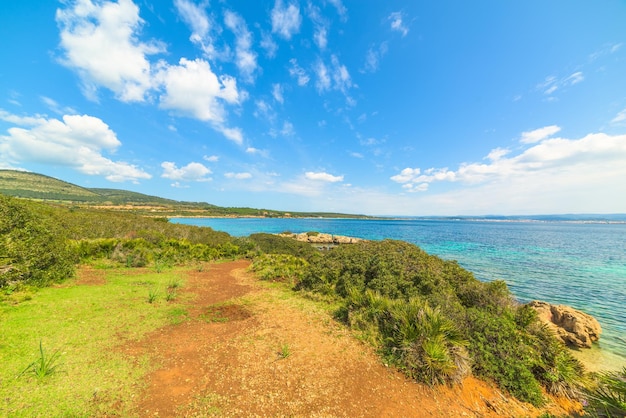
(580, 264)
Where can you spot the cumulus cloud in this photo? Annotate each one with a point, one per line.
(245, 57)
(100, 42)
(76, 141)
(211, 158)
(192, 89)
(286, 20)
(537, 135)
(397, 23)
(546, 160)
(191, 172)
(322, 176)
(298, 72)
(238, 176)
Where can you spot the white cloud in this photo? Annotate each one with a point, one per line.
(553, 160)
(335, 76)
(191, 172)
(537, 135)
(201, 26)
(268, 44)
(238, 176)
(373, 57)
(341, 9)
(298, 72)
(323, 82)
(264, 110)
(620, 117)
(76, 141)
(100, 42)
(256, 151)
(551, 84)
(320, 35)
(56, 107)
(234, 134)
(286, 20)
(575, 78)
(211, 158)
(397, 23)
(277, 93)
(322, 176)
(287, 129)
(192, 89)
(246, 58)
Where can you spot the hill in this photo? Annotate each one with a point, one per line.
(35, 186)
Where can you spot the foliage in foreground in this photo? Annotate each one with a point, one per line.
(34, 249)
(607, 399)
(41, 244)
(434, 320)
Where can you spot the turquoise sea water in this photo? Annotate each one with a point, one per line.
(578, 264)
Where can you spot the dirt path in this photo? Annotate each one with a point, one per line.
(248, 351)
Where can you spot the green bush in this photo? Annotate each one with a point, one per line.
(274, 244)
(34, 249)
(607, 396)
(435, 321)
(279, 267)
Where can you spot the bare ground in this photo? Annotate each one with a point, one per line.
(247, 350)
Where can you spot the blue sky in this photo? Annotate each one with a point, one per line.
(374, 107)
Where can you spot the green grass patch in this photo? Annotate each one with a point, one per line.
(78, 332)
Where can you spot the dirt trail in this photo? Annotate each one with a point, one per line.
(247, 351)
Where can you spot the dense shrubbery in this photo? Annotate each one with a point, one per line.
(274, 244)
(33, 248)
(607, 397)
(41, 243)
(436, 322)
(429, 317)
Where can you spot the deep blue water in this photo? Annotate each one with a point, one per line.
(578, 264)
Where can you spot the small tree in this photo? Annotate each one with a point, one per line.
(34, 249)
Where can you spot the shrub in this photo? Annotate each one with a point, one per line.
(279, 267)
(607, 397)
(34, 249)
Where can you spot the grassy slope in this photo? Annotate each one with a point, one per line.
(36, 186)
(86, 324)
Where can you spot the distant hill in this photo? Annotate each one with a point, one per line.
(35, 186)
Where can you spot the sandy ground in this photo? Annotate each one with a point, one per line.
(245, 350)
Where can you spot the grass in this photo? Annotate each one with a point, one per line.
(91, 324)
(44, 365)
(285, 351)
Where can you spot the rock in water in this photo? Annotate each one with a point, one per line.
(571, 326)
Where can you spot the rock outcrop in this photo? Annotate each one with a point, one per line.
(321, 238)
(573, 327)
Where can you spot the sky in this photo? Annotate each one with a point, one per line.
(414, 108)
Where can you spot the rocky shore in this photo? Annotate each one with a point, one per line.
(321, 238)
(573, 327)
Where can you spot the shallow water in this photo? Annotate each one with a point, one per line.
(578, 264)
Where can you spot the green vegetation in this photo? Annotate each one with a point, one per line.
(44, 365)
(430, 317)
(607, 396)
(39, 187)
(76, 334)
